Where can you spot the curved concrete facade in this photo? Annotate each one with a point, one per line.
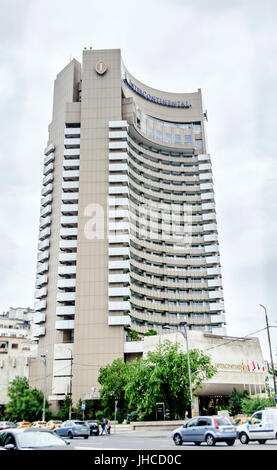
(128, 236)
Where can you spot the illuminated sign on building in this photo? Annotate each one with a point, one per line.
(155, 99)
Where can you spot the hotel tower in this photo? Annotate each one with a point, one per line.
(127, 236)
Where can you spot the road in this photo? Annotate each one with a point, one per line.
(157, 441)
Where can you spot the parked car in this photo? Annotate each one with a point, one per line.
(262, 426)
(73, 428)
(209, 429)
(6, 424)
(38, 424)
(94, 428)
(23, 424)
(31, 439)
(53, 424)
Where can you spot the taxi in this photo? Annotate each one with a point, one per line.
(53, 424)
(38, 424)
(23, 424)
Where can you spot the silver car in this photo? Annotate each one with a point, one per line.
(209, 429)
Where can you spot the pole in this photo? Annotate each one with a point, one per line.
(44, 360)
(70, 386)
(189, 371)
(270, 350)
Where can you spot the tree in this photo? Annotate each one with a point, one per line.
(63, 413)
(163, 377)
(251, 405)
(236, 401)
(114, 379)
(25, 403)
(151, 333)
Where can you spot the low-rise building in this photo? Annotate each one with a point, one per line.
(16, 348)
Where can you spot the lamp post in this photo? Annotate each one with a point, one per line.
(185, 335)
(70, 384)
(270, 350)
(44, 360)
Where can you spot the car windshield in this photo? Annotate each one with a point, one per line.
(79, 423)
(39, 439)
(222, 421)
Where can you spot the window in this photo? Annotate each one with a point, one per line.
(177, 139)
(188, 139)
(191, 423)
(168, 137)
(14, 346)
(204, 422)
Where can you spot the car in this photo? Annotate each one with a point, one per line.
(240, 420)
(209, 429)
(262, 426)
(73, 428)
(6, 424)
(38, 424)
(53, 424)
(94, 428)
(23, 424)
(31, 439)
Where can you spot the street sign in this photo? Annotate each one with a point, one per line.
(275, 397)
(83, 406)
(159, 411)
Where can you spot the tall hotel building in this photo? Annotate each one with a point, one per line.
(128, 236)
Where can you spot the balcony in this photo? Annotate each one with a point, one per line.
(67, 257)
(70, 185)
(48, 169)
(119, 278)
(65, 310)
(120, 201)
(38, 331)
(118, 135)
(66, 283)
(71, 143)
(118, 124)
(44, 233)
(218, 319)
(70, 197)
(66, 297)
(118, 214)
(69, 220)
(41, 293)
(42, 268)
(216, 306)
(66, 270)
(71, 175)
(123, 320)
(40, 280)
(122, 251)
(68, 232)
(119, 239)
(47, 189)
(68, 244)
(44, 221)
(119, 292)
(47, 179)
(44, 211)
(217, 294)
(119, 306)
(118, 167)
(71, 164)
(119, 265)
(49, 158)
(39, 317)
(65, 325)
(118, 179)
(72, 132)
(132, 347)
(49, 149)
(71, 153)
(118, 156)
(40, 305)
(46, 200)
(42, 256)
(118, 190)
(69, 208)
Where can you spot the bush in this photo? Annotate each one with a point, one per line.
(251, 405)
(133, 416)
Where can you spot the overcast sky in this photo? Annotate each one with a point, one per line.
(226, 48)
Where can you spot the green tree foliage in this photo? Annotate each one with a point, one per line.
(251, 405)
(236, 397)
(161, 377)
(25, 403)
(151, 333)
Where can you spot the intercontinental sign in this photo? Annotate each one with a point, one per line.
(155, 99)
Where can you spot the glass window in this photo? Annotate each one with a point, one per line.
(168, 137)
(197, 128)
(191, 423)
(188, 139)
(199, 144)
(177, 139)
(150, 131)
(159, 135)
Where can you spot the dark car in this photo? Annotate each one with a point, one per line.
(73, 428)
(31, 439)
(94, 428)
(6, 424)
(209, 429)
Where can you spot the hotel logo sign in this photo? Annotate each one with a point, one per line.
(101, 67)
(155, 99)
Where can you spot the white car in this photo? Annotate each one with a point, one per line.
(262, 426)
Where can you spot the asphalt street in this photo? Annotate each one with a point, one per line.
(157, 441)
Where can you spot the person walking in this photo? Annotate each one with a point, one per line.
(104, 426)
(109, 426)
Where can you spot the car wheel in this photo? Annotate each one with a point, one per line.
(262, 441)
(244, 439)
(70, 435)
(230, 443)
(210, 440)
(177, 440)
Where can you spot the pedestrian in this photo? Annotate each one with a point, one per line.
(109, 426)
(104, 426)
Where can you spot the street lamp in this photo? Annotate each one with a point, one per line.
(270, 350)
(185, 335)
(44, 360)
